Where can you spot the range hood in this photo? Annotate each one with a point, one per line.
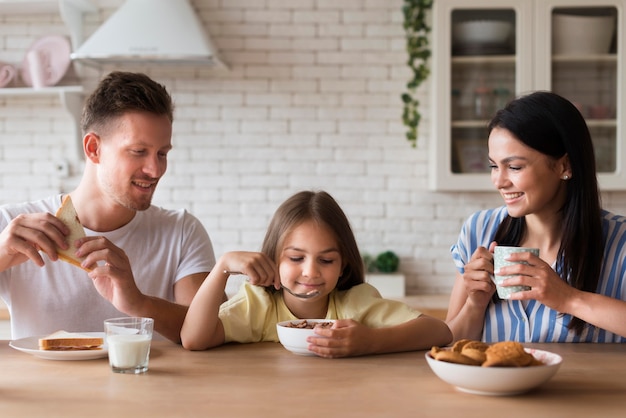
(149, 32)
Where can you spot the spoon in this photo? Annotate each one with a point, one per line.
(307, 295)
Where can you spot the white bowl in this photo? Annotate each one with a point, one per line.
(497, 381)
(574, 35)
(474, 32)
(294, 339)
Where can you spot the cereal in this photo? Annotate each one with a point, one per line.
(477, 353)
(304, 324)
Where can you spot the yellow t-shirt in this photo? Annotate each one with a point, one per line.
(252, 314)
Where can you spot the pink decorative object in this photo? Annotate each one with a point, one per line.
(49, 59)
(7, 74)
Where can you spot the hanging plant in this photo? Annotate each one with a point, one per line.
(416, 29)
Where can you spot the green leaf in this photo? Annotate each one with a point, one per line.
(387, 262)
(416, 28)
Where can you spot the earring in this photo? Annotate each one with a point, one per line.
(566, 177)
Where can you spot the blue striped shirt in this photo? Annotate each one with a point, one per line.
(530, 320)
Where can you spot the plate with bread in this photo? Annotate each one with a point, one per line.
(64, 345)
(499, 369)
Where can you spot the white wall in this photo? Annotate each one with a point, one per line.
(311, 100)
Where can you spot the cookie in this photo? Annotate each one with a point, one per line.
(455, 357)
(434, 350)
(507, 354)
(478, 353)
(458, 346)
(475, 350)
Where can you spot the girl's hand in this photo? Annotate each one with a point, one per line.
(477, 277)
(259, 268)
(345, 338)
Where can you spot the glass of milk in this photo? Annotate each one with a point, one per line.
(128, 341)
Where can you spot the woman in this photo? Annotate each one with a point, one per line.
(543, 165)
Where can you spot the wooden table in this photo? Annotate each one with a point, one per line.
(265, 380)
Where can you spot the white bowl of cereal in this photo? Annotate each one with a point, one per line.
(293, 334)
(509, 377)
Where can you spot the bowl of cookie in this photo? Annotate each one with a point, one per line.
(498, 369)
(293, 334)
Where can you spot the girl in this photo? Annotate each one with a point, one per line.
(309, 247)
(543, 165)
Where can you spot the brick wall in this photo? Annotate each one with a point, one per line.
(311, 101)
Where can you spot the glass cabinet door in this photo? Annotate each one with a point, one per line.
(578, 59)
(482, 59)
(482, 78)
(486, 52)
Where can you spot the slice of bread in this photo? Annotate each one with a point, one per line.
(63, 340)
(67, 214)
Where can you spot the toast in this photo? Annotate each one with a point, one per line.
(67, 214)
(65, 341)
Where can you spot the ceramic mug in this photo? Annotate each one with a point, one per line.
(7, 74)
(500, 255)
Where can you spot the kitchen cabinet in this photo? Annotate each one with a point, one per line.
(71, 12)
(472, 79)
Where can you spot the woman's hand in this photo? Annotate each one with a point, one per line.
(477, 277)
(471, 295)
(550, 289)
(546, 285)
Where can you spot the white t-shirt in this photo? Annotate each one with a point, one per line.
(162, 245)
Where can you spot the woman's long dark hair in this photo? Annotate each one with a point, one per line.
(553, 126)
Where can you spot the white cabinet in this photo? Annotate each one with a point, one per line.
(71, 12)
(472, 79)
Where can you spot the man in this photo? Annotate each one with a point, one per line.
(143, 260)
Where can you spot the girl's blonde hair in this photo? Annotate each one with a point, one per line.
(319, 207)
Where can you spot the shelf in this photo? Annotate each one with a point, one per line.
(470, 124)
(474, 124)
(71, 97)
(484, 59)
(601, 123)
(592, 59)
(46, 91)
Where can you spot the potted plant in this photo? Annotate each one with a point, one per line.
(382, 273)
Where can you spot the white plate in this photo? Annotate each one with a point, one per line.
(55, 51)
(497, 381)
(30, 345)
